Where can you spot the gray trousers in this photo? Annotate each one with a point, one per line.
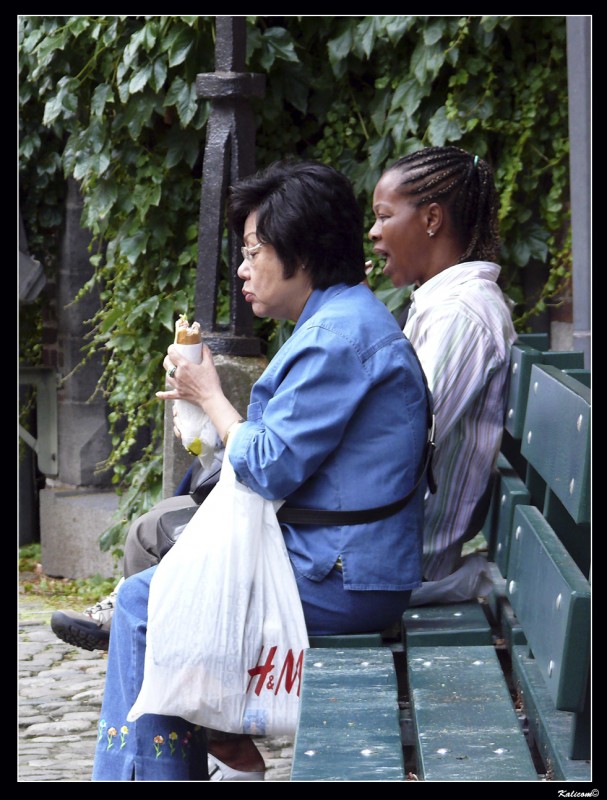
(140, 551)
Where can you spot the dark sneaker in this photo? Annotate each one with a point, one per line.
(81, 630)
(89, 630)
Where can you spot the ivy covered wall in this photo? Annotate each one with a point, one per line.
(110, 101)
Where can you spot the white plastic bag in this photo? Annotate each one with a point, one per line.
(198, 434)
(226, 631)
(470, 580)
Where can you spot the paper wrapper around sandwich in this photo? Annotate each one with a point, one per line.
(198, 434)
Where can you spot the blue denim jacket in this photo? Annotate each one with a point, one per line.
(338, 421)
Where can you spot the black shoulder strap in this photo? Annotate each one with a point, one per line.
(316, 516)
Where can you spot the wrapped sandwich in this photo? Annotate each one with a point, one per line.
(198, 434)
(186, 333)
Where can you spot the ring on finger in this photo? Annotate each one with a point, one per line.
(172, 371)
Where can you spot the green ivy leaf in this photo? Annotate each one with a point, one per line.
(394, 298)
(150, 34)
(433, 32)
(339, 49)
(30, 38)
(183, 97)
(537, 239)
(110, 319)
(52, 109)
(181, 146)
(49, 45)
(295, 87)
(159, 73)
(101, 95)
(139, 113)
(442, 130)
(396, 27)
(77, 25)
(65, 101)
(167, 314)
(278, 45)
(104, 197)
(378, 111)
(122, 342)
(145, 196)
(490, 23)
(365, 35)
(131, 50)
(379, 151)
(180, 47)
(140, 79)
(187, 103)
(133, 246)
(407, 97)
(426, 61)
(148, 307)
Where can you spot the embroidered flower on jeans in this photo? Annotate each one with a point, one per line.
(123, 733)
(101, 729)
(158, 742)
(111, 733)
(185, 743)
(172, 739)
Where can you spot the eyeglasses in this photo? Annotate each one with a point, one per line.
(247, 252)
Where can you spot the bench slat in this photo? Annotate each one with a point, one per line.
(452, 624)
(522, 359)
(556, 437)
(575, 537)
(539, 341)
(512, 492)
(554, 732)
(551, 599)
(349, 725)
(466, 728)
(564, 359)
(347, 640)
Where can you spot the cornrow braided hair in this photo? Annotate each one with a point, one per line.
(465, 183)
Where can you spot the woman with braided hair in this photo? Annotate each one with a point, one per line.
(436, 226)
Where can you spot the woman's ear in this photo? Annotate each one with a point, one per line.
(434, 216)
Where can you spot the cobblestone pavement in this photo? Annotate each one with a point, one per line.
(60, 688)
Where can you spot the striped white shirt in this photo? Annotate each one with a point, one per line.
(461, 327)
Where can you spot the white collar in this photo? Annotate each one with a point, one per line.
(451, 277)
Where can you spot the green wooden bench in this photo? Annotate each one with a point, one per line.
(548, 574)
(465, 725)
(349, 720)
(550, 735)
(495, 689)
(538, 530)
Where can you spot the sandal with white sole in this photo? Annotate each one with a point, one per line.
(218, 771)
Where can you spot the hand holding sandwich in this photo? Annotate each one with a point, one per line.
(204, 413)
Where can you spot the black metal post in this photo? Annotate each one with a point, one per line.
(229, 155)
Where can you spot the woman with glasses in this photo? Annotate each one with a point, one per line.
(321, 432)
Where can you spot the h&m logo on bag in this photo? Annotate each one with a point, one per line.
(290, 673)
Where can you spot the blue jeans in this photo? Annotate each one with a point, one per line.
(162, 748)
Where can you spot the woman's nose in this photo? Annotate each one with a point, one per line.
(242, 269)
(374, 232)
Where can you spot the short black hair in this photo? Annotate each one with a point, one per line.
(308, 212)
